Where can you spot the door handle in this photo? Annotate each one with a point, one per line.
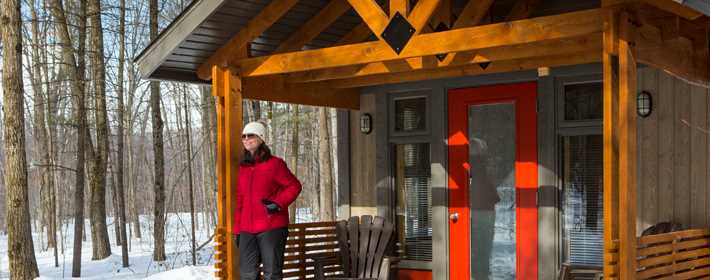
(454, 217)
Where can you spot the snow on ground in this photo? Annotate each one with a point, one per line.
(178, 265)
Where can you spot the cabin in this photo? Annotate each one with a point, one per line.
(506, 139)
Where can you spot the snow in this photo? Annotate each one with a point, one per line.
(178, 265)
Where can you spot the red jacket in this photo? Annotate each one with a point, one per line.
(272, 180)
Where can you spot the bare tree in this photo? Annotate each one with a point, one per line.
(22, 262)
(119, 137)
(74, 71)
(101, 248)
(189, 172)
(159, 165)
(295, 145)
(326, 179)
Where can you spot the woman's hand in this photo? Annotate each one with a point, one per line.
(271, 207)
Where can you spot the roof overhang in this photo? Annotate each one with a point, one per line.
(159, 49)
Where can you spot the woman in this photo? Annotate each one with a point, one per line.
(266, 189)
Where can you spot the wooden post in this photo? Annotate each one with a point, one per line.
(627, 149)
(227, 88)
(611, 207)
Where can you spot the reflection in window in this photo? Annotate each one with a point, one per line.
(583, 101)
(583, 218)
(413, 187)
(410, 114)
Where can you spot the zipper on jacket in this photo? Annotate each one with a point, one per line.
(251, 195)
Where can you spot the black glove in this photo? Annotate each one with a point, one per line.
(271, 207)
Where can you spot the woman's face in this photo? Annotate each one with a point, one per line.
(251, 142)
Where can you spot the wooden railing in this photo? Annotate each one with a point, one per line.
(307, 241)
(675, 255)
(611, 261)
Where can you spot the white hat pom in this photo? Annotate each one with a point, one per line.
(255, 128)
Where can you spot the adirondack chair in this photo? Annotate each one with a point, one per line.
(363, 243)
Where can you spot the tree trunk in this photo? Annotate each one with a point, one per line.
(76, 86)
(295, 144)
(256, 108)
(209, 178)
(326, 179)
(101, 247)
(189, 173)
(41, 131)
(159, 185)
(119, 137)
(22, 262)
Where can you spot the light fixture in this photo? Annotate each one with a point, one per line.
(644, 104)
(366, 123)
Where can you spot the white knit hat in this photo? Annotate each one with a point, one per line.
(255, 128)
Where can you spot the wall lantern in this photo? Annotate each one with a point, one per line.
(644, 104)
(366, 123)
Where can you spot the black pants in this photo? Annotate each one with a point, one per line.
(266, 247)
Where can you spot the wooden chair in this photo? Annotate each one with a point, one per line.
(363, 243)
(570, 271)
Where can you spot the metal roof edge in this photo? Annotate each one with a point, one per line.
(169, 39)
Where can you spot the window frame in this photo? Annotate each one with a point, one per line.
(567, 128)
(411, 94)
(394, 138)
(560, 83)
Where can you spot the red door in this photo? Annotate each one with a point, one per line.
(493, 182)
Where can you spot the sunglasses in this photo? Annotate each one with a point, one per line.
(248, 136)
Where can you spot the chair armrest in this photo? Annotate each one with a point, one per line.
(387, 262)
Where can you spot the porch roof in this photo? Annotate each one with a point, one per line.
(325, 45)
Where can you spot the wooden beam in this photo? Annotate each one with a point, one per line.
(532, 50)
(610, 162)
(473, 13)
(314, 26)
(470, 70)
(675, 8)
(421, 14)
(442, 14)
(522, 9)
(359, 33)
(672, 56)
(627, 150)
(227, 88)
(372, 14)
(274, 88)
(401, 6)
(267, 17)
(493, 35)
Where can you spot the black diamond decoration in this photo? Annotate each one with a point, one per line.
(398, 32)
(484, 65)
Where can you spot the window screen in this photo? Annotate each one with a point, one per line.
(413, 200)
(582, 201)
(410, 114)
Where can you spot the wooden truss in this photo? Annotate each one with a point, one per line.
(620, 35)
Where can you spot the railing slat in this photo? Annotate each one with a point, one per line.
(674, 255)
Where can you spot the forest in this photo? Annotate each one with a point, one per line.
(101, 168)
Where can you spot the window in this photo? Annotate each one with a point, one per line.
(412, 172)
(582, 200)
(410, 152)
(581, 150)
(583, 101)
(410, 115)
